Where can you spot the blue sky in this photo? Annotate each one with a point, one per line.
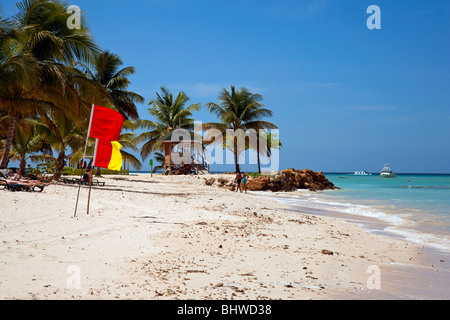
(344, 97)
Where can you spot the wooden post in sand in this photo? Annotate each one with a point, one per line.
(84, 159)
(89, 195)
(90, 178)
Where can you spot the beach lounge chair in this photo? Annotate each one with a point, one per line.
(76, 181)
(40, 187)
(12, 185)
(4, 173)
(95, 182)
(72, 181)
(80, 181)
(3, 177)
(8, 184)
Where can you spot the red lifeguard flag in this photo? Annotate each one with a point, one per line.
(108, 155)
(106, 124)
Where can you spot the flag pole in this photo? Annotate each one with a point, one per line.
(84, 159)
(90, 178)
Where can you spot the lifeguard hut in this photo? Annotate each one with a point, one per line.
(180, 156)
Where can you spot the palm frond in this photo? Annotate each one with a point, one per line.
(131, 159)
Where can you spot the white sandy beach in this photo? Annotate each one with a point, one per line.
(173, 237)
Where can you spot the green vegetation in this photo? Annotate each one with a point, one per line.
(240, 109)
(51, 75)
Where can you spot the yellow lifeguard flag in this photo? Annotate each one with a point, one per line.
(108, 155)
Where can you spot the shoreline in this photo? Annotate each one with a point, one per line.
(172, 237)
(429, 276)
(392, 224)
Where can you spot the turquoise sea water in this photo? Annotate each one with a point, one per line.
(412, 206)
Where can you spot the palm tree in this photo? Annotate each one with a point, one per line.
(26, 143)
(106, 72)
(170, 113)
(271, 142)
(61, 133)
(37, 53)
(47, 36)
(239, 109)
(17, 74)
(161, 159)
(128, 141)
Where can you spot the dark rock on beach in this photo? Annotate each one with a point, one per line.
(291, 180)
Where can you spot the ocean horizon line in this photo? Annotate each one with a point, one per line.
(324, 172)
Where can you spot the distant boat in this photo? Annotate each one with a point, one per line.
(362, 173)
(386, 172)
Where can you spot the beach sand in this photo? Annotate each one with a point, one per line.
(173, 237)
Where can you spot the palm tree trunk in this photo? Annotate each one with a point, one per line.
(259, 163)
(257, 154)
(9, 139)
(23, 162)
(60, 162)
(236, 158)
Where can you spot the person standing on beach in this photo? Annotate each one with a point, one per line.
(238, 182)
(244, 182)
(87, 176)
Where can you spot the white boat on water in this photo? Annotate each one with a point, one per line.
(386, 172)
(362, 173)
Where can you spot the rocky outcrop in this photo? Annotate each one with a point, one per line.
(291, 180)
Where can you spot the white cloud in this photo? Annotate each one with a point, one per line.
(206, 90)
